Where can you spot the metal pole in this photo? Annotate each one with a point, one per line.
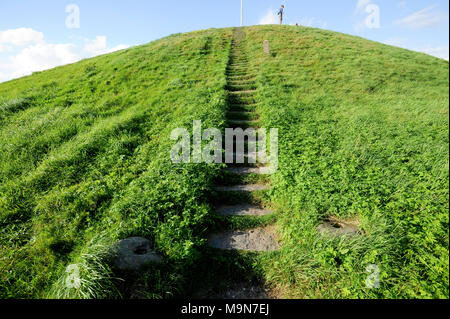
(242, 13)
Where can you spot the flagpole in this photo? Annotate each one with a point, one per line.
(242, 13)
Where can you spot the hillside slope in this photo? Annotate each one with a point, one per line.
(85, 160)
(364, 137)
(364, 128)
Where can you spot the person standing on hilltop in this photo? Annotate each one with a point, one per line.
(280, 14)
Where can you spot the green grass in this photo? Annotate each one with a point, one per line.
(84, 152)
(363, 136)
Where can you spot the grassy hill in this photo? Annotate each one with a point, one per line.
(84, 152)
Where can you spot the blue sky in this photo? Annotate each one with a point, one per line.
(36, 35)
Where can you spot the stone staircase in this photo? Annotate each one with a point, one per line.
(238, 201)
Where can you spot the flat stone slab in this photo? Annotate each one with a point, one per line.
(338, 228)
(241, 76)
(258, 239)
(242, 92)
(242, 188)
(237, 82)
(254, 156)
(134, 253)
(243, 210)
(248, 170)
(246, 292)
(240, 290)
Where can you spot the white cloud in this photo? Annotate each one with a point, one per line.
(41, 57)
(5, 72)
(4, 48)
(117, 48)
(99, 46)
(269, 18)
(95, 46)
(21, 36)
(421, 19)
(37, 55)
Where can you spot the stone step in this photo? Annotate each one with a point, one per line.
(242, 99)
(248, 80)
(243, 210)
(242, 188)
(240, 290)
(249, 155)
(250, 143)
(237, 75)
(241, 76)
(248, 240)
(243, 92)
(241, 79)
(249, 85)
(248, 170)
(241, 85)
(238, 72)
(250, 160)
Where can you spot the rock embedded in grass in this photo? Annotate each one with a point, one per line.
(338, 228)
(134, 253)
(244, 290)
(250, 240)
(242, 188)
(248, 170)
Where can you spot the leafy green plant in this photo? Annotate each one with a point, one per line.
(91, 155)
(85, 150)
(363, 136)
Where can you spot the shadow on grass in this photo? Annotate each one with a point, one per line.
(208, 277)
